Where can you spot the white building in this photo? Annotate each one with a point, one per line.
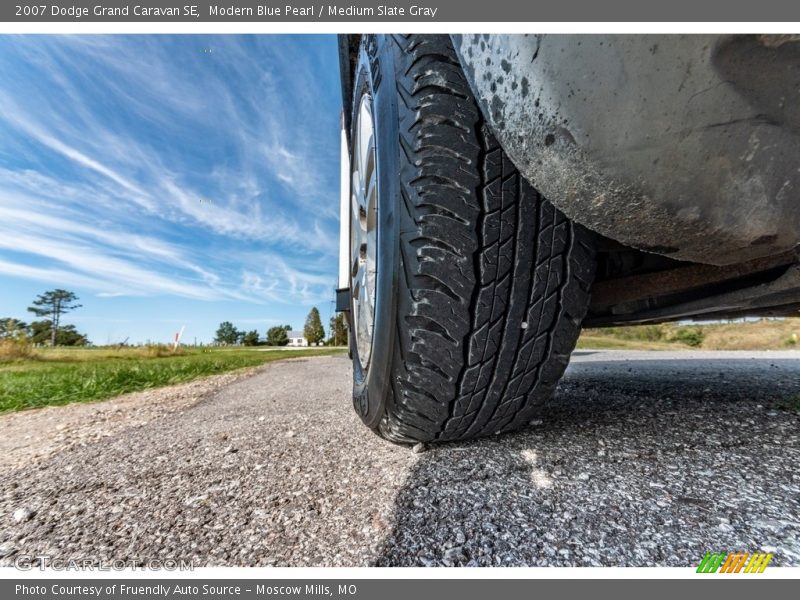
(296, 338)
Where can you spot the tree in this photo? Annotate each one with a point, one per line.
(338, 330)
(251, 338)
(227, 333)
(12, 328)
(276, 336)
(53, 305)
(69, 336)
(42, 332)
(313, 331)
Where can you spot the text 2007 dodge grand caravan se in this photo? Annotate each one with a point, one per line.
(507, 190)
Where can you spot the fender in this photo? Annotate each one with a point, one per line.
(685, 146)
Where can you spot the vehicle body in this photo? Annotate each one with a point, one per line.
(679, 153)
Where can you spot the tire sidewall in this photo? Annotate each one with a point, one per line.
(375, 75)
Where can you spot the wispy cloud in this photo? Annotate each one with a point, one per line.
(20, 119)
(136, 165)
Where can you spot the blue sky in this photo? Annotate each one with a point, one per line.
(169, 180)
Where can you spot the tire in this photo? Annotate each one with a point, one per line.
(480, 285)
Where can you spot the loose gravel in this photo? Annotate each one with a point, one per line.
(32, 435)
(641, 459)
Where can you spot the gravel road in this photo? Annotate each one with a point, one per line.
(641, 459)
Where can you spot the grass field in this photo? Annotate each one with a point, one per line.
(63, 375)
(783, 334)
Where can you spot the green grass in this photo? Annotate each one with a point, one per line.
(62, 376)
(763, 334)
(600, 342)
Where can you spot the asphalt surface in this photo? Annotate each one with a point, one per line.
(641, 459)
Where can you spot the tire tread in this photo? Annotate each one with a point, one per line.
(481, 253)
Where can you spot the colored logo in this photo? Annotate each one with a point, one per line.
(733, 562)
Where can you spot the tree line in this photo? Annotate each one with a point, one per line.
(50, 307)
(313, 331)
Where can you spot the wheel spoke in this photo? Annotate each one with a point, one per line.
(371, 200)
(359, 200)
(363, 324)
(365, 134)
